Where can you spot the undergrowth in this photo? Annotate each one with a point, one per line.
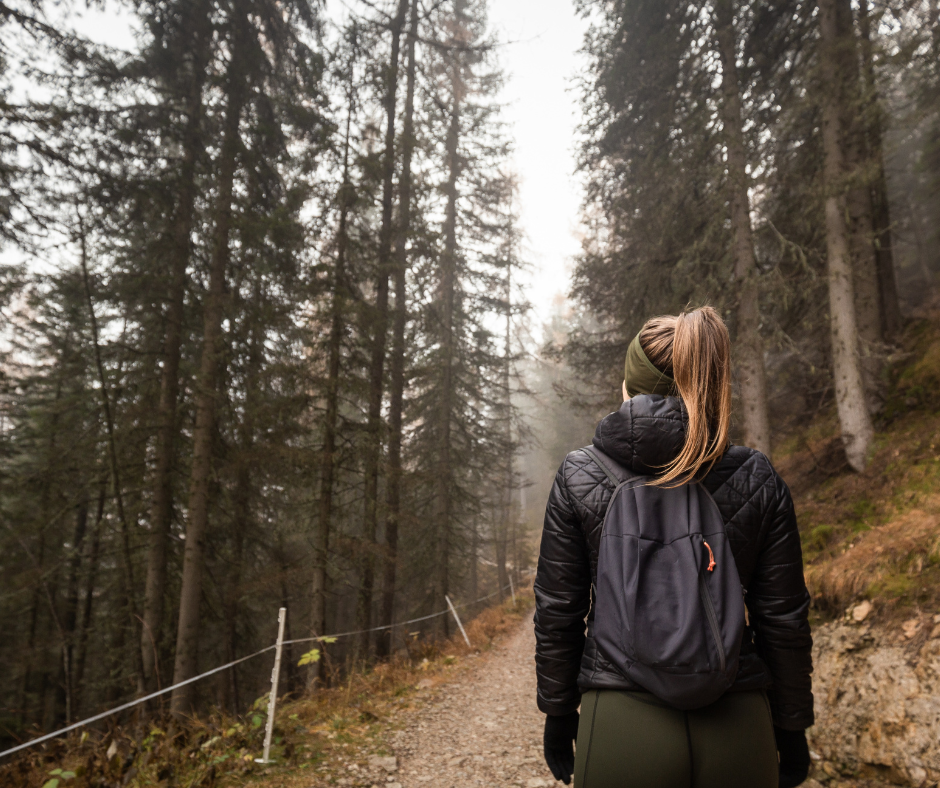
(329, 727)
(876, 535)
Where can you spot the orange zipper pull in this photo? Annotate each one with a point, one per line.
(711, 558)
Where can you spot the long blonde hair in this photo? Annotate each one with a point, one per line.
(695, 350)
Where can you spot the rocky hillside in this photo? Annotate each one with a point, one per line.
(872, 550)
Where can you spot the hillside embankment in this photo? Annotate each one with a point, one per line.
(872, 550)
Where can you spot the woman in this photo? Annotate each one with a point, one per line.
(672, 429)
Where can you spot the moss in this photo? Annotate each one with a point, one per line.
(818, 538)
(891, 587)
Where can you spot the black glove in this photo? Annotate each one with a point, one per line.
(560, 733)
(794, 757)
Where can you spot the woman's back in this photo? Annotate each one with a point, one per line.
(672, 428)
(645, 434)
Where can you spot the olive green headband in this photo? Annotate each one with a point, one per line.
(641, 376)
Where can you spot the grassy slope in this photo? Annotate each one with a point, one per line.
(876, 535)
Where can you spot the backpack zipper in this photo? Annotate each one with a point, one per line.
(712, 621)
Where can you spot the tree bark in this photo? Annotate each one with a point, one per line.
(240, 521)
(241, 502)
(446, 300)
(161, 511)
(397, 360)
(70, 612)
(127, 575)
(91, 579)
(187, 638)
(846, 91)
(881, 212)
(857, 430)
(29, 667)
(750, 347)
(380, 330)
(502, 536)
(321, 541)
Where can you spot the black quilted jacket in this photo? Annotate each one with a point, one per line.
(645, 434)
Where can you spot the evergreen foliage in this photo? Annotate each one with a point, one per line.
(660, 211)
(199, 380)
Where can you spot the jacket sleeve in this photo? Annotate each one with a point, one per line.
(778, 602)
(562, 602)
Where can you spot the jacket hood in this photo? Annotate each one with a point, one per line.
(645, 435)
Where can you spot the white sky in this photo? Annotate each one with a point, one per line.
(540, 59)
(543, 114)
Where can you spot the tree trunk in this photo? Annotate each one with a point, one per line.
(242, 497)
(446, 300)
(187, 638)
(29, 667)
(501, 546)
(750, 348)
(161, 511)
(321, 541)
(846, 92)
(881, 213)
(397, 361)
(240, 521)
(127, 575)
(91, 578)
(70, 613)
(502, 537)
(380, 330)
(29, 655)
(857, 430)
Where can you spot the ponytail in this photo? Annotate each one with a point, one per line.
(694, 349)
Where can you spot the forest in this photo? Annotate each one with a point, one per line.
(258, 344)
(780, 161)
(265, 339)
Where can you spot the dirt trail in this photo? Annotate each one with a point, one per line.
(481, 730)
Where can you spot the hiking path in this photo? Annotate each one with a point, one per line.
(483, 730)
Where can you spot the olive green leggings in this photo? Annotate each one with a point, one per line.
(633, 740)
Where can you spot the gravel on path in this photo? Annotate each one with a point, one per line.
(483, 729)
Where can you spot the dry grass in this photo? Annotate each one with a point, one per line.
(313, 736)
(876, 535)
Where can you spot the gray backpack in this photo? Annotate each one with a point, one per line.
(669, 605)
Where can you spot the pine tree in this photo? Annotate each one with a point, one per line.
(749, 347)
(857, 430)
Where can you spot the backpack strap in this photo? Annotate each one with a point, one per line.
(607, 465)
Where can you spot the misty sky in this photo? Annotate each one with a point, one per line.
(540, 61)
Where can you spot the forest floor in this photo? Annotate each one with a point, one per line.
(477, 727)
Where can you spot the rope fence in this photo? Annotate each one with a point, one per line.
(277, 647)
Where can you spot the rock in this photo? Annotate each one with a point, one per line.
(910, 627)
(876, 703)
(861, 611)
(536, 782)
(390, 764)
(811, 783)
